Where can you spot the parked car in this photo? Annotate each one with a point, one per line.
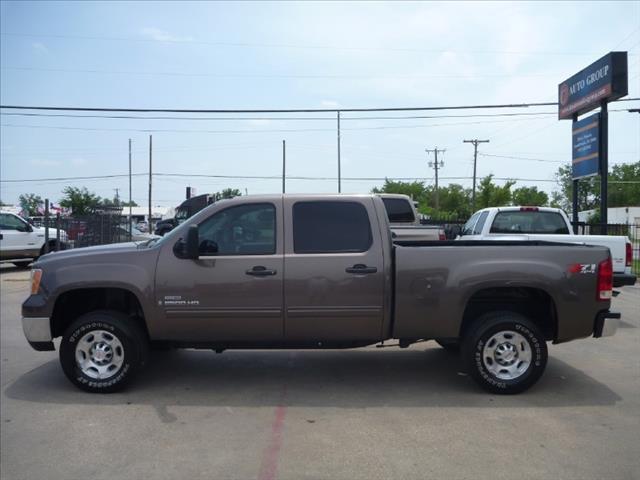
(549, 224)
(314, 271)
(404, 221)
(136, 235)
(21, 242)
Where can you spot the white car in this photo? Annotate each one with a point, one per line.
(550, 225)
(19, 240)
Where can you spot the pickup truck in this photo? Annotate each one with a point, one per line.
(404, 221)
(21, 242)
(548, 224)
(314, 271)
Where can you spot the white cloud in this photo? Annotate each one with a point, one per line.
(40, 48)
(160, 35)
(78, 161)
(258, 122)
(329, 104)
(45, 163)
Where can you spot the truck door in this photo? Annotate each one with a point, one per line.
(334, 281)
(233, 292)
(17, 237)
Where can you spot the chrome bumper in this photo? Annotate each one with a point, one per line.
(36, 329)
(607, 324)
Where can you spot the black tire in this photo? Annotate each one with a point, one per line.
(132, 351)
(452, 346)
(25, 264)
(479, 361)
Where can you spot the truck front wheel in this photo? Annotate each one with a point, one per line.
(102, 350)
(505, 352)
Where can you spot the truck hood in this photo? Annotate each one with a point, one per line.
(90, 254)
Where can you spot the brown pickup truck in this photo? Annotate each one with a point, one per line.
(315, 271)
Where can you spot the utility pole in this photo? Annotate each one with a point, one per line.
(475, 161)
(130, 221)
(436, 166)
(117, 198)
(150, 175)
(339, 179)
(284, 163)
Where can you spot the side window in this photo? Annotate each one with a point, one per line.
(9, 222)
(331, 227)
(477, 230)
(468, 227)
(242, 230)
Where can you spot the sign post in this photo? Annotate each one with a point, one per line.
(601, 82)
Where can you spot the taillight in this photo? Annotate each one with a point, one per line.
(441, 236)
(529, 209)
(605, 280)
(629, 255)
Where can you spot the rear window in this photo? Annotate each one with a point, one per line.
(529, 222)
(398, 210)
(477, 230)
(330, 227)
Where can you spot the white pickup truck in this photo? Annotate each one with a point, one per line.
(21, 242)
(548, 224)
(404, 221)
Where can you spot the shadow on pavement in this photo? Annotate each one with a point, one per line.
(343, 379)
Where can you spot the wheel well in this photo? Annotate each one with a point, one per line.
(533, 303)
(70, 305)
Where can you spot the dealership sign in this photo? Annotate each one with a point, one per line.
(603, 80)
(586, 147)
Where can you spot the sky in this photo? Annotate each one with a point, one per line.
(265, 55)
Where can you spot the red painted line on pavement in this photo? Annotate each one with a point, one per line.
(269, 466)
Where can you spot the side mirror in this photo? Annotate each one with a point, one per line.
(188, 247)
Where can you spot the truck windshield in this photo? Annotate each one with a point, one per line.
(398, 210)
(529, 222)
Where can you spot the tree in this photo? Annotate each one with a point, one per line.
(624, 194)
(79, 200)
(227, 193)
(588, 191)
(31, 204)
(416, 190)
(491, 195)
(132, 203)
(529, 196)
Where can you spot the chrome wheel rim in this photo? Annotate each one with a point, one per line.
(507, 355)
(99, 354)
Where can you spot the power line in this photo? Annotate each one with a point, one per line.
(279, 177)
(332, 119)
(276, 75)
(522, 158)
(193, 41)
(291, 110)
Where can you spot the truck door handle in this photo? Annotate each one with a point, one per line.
(360, 269)
(260, 271)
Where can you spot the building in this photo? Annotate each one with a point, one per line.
(623, 215)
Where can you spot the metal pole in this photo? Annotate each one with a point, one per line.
(339, 179)
(46, 225)
(604, 166)
(475, 161)
(436, 169)
(574, 194)
(284, 163)
(150, 175)
(130, 200)
(57, 231)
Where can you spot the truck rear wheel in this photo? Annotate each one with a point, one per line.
(101, 351)
(505, 352)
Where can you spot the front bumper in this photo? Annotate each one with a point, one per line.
(37, 330)
(623, 279)
(607, 324)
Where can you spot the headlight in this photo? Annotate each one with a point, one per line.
(36, 276)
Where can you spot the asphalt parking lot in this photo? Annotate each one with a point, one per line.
(368, 413)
